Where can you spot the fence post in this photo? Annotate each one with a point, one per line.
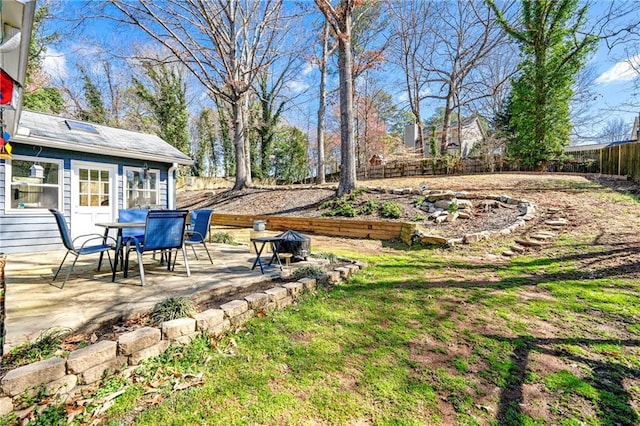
(619, 158)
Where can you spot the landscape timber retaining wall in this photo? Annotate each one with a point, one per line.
(374, 229)
(61, 379)
(408, 232)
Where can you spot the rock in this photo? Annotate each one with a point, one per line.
(464, 204)
(433, 239)
(508, 253)
(443, 204)
(441, 218)
(529, 243)
(440, 195)
(517, 249)
(464, 215)
(451, 217)
(557, 222)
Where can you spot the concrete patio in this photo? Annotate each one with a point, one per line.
(89, 298)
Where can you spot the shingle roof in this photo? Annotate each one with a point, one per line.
(53, 131)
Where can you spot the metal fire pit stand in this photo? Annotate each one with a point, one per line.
(275, 245)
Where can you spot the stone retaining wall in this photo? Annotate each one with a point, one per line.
(61, 378)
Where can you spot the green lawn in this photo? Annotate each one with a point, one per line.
(425, 336)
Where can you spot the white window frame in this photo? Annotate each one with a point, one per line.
(8, 170)
(125, 188)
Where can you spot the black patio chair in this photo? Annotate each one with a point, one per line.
(197, 233)
(87, 247)
(163, 231)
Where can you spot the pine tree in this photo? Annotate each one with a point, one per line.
(550, 37)
(166, 99)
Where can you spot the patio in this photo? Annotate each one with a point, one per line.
(89, 298)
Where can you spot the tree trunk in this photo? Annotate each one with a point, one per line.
(239, 144)
(348, 158)
(244, 115)
(321, 172)
(446, 122)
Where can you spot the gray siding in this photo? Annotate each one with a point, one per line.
(38, 232)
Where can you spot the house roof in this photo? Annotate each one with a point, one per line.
(577, 148)
(48, 130)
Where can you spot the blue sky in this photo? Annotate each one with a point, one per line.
(613, 84)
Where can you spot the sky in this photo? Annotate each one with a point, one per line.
(613, 76)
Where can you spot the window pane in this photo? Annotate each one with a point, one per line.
(95, 200)
(50, 173)
(84, 174)
(95, 187)
(94, 175)
(84, 187)
(104, 175)
(105, 188)
(84, 200)
(29, 197)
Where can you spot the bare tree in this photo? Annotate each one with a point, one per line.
(225, 45)
(340, 19)
(467, 32)
(615, 130)
(411, 47)
(322, 103)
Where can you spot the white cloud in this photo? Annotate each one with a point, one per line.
(54, 64)
(622, 71)
(296, 86)
(308, 68)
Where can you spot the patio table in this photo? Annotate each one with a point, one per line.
(263, 241)
(119, 226)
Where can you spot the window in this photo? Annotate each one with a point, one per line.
(29, 190)
(83, 127)
(141, 188)
(93, 187)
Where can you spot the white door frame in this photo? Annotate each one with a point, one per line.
(97, 213)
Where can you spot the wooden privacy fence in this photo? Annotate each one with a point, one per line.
(374, 229)
(623, 160)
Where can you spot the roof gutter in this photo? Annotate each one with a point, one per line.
(59, 144)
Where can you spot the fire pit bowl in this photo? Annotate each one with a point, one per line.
(295, 243)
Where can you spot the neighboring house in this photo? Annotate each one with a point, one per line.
(471, 130)
(85, 170)
(635, 131)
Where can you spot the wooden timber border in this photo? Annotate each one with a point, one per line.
(372, 229)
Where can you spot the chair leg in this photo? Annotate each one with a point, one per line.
(73, 265)
(141, 267)
(194, 251)
(207, 249)
(60, 267)
(186, 261)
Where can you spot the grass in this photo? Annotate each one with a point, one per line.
(422, 336)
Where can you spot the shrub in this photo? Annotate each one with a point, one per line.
(332, 258)
(308, 271)
(172, 308)
(45, 346)
(418, 218)
(391, 210)
(222, 238)
(369, 207)
(342, 206)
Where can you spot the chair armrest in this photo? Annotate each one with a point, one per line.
(94, 237)
(137, 244)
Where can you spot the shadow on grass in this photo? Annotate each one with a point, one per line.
(613, 401)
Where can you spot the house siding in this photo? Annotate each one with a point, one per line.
(37, 231)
